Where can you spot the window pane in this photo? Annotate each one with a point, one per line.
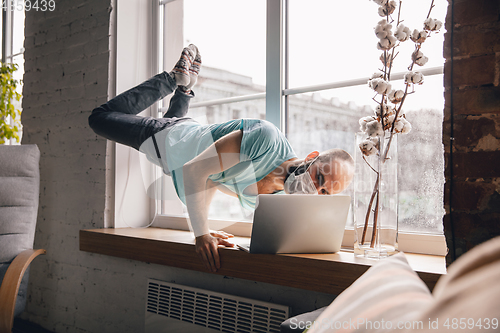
(329, 119)
(333, 41)
(18, 33)
(231, 36)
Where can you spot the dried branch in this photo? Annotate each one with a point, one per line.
(387, 75)
(367, 218)
(430, 9)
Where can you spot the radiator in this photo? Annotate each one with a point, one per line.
(173, 308)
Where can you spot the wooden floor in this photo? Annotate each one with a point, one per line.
(24, 326)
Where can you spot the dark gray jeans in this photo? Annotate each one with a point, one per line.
(117, 119)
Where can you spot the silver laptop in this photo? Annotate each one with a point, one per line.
(298, 223)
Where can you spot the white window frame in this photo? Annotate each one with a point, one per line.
(276, 94)
(8, 52)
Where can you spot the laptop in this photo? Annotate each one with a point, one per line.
(298, 223)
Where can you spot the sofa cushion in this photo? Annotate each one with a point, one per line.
(388, 294)
(467, 299)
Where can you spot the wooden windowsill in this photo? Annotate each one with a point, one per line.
(328, 273)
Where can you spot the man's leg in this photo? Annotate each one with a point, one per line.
(179, 103)
(117, 119)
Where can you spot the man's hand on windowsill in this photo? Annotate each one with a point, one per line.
(207, 248)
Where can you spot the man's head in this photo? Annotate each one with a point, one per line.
(332, 171)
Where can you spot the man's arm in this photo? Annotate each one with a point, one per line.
(220, 156)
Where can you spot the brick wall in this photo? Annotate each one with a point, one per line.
(471, 130)
(66, 64)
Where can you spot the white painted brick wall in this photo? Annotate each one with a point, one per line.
(66, 63)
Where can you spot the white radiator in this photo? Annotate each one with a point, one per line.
(172, 308)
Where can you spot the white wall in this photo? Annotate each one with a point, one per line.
(67, 64)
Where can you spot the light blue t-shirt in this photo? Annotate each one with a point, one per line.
(263, 149)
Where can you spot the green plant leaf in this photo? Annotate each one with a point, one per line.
(10, 124)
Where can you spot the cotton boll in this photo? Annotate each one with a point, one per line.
(377, 75)
(402, 33)
(392, 40)
(407, 126)
(381, 2)
(363, 121)
(387, 9)
(439, 25)
(387, 43)
(378, 109)
(379, 85)
(383, 29)
(419, 58)
(382, 11)
(422, 60)
(418, 36)
(368, 147)
(402, 126)
(374, 128)
(407, 77)
(414, 78)
(398, 125)
(383, 44)
(385, 88)
(418, 78)
(431, 24)
(396, 96)
(380, 32)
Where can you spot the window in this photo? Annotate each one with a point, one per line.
(232, 81)
(12, 21)
(346, 50)
(318, 54)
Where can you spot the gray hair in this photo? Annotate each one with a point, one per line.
(337, 155)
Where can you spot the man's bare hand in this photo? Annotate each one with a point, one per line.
(220, 234)
(207, 248)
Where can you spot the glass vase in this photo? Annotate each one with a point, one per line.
(376, 199)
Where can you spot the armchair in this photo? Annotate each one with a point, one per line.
(19, 191)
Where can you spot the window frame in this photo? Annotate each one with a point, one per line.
(276, 96)
(8, 55)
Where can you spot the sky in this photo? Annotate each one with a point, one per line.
(330, 41)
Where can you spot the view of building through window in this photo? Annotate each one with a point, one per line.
(328, 42)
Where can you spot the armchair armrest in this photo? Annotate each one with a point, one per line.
(10, 287)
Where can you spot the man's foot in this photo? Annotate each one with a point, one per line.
(194, 70)
(181, 68)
